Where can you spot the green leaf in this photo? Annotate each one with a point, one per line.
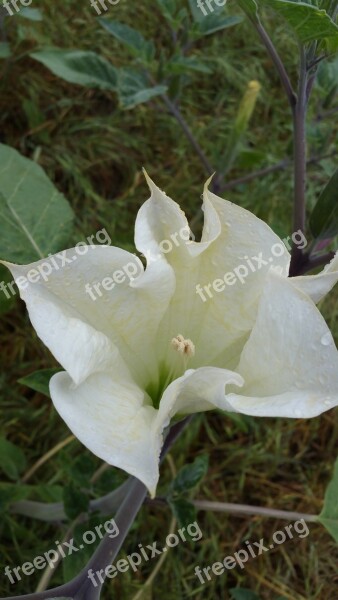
(243, 594)
(181, 64)
(85, 68)
(168, 9)
(133, 88)
(5, 50)
(307, 21)
(190, 475)
(35, 219)
(39, 380)
(33, 14)
(213, 23)
(183, 510)
(12, 459)
(329, 515)
(324, 217)
(75, 501)
(132, 38)
(250, 8)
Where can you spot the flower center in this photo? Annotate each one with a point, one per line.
(171, 369)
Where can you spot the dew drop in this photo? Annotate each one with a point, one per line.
(326, 339)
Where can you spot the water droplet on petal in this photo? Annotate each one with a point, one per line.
(326, 339)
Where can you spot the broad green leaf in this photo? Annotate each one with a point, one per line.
(39, 380)
(33, 14)
(12, 459)
(324, 217)
(133, 88)
(307, 21)
(130, 37)
(183, 510)
(214, 23)
(35, 219)
(81, 67)
(5, 50)
(190, 475)
(243, 594)
(329, 515)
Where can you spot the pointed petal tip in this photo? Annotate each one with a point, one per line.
(208, 182)
(152, 186)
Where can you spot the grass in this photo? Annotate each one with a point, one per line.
(94, 152)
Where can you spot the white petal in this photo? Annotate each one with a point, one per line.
(196, 391)
(290, 363)
(233, 241)
(317, 286)
(76, 321)
(106, 413)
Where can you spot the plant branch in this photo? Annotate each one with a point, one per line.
(175, 111)
(245, 509)
(299, 118)
(272, 51)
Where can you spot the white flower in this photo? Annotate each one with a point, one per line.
(150, 348)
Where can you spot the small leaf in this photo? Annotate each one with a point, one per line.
(324, 217)
(190, 475)
(133, 88)
(75, 501)
(85, 68)
(33, 14)
(183, 510)
(130, 37)
(35, 219)
(168, 9)
(329, 515)
(243, 594)
(39, 380)
(5, 50)
(12, 459)
(213, 23)
(182, 64)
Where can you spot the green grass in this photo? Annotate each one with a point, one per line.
(94, 152)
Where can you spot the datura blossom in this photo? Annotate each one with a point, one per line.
(148, 349)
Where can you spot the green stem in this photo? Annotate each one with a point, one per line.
(299, 129)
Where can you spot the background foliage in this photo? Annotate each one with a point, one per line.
(92, 147)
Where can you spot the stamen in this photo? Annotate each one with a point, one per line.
(183, 346)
